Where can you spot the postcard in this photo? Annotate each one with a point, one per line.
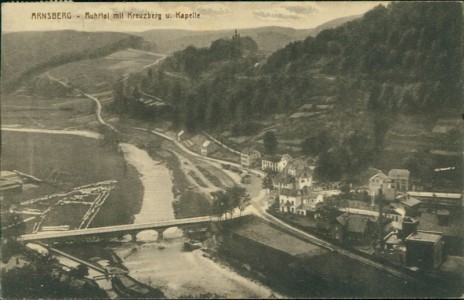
(232, 150)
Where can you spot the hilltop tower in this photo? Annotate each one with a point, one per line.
(236, 36)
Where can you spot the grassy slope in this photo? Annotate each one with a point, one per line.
(22, 51)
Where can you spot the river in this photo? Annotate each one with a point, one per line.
(164, 264)
(178, 273)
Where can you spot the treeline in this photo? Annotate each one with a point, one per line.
(403, 58)
(408, 55)
(195, 61)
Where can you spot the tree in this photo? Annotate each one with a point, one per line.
(220, 203)
(80, 271)
(238, 197)
(316, 143)
(345, 188)
(267, 182)
(227, 201)
(270, 142)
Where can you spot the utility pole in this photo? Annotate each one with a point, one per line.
(380, 199)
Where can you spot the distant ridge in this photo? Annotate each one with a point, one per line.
(268, 38)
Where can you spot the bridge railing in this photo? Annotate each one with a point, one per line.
(127, 228)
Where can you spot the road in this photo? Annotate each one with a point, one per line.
(259, 206)
(260, 210)
(98, 108)
(120, 228)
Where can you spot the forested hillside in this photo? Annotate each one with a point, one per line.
(402, 58)
(403, 61)
(409, 53)
(30, 53)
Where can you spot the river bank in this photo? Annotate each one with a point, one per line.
(162, 264)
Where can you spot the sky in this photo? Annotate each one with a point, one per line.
(212, 15)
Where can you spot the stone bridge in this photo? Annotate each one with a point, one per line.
(120, 230)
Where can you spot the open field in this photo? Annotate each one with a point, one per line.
(47, 113)
(99, 75)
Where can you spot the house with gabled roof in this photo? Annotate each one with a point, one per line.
(284, 160)
(249, 157)
(378, 181)
(282, 180)
(270, 163)
(302, 172)
(205, 147)
(399, 179)
(289, 200)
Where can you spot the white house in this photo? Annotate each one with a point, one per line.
(205, 147)
(285, 159)
(399, 179)
(249, 157)
(309, 201)
(289, 200)
(269, 164)
(376, 182)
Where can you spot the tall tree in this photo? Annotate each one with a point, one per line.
(270, 142)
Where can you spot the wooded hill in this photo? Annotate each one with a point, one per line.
(401, 60)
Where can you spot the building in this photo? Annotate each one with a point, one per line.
(289, 200)
(357, 227)
(309, 201)
(396, 214)
(424, 250)
(376, 182)
(249, 157)
(270, 163)
(450, 223)
(438, 199)
(409, 226)
(205, 147)
(281, 181)
(180, 136)
(399, 179)
(301, 171)
(284, 160)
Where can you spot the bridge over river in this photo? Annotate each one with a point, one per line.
(120, 230)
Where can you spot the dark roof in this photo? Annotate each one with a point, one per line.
(289, 192)
(283, 178)
(249, 151)
(357, 223)
(353, 223)
(410, 201)
(424, 236)
(429, 222)
(271, 158)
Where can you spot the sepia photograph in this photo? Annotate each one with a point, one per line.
(217, 150)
